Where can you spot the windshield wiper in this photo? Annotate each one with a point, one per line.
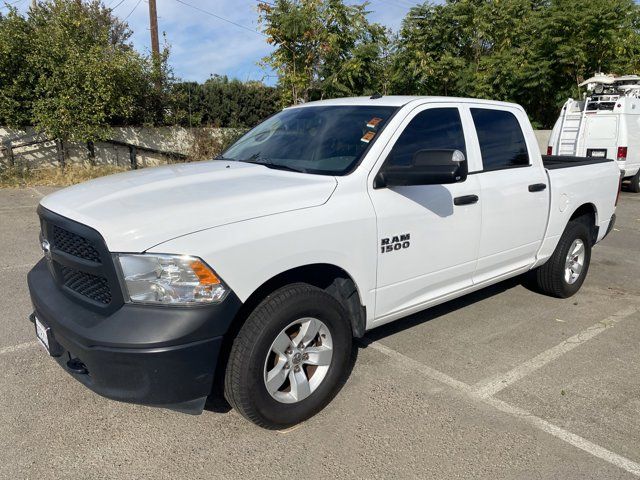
(275, 166)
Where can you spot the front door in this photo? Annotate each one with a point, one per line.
(427, 246)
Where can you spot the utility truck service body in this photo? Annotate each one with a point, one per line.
(251, 274)
(605, 124)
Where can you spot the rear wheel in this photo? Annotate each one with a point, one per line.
(565, 272)
(634, 183)
(290, 357)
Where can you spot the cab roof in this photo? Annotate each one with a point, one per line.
(398, 101)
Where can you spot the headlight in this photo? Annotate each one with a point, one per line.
(170, 280)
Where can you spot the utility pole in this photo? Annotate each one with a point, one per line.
(156, 61)
(153, 24)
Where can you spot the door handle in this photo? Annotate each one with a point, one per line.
(537, 187)
(465, 200)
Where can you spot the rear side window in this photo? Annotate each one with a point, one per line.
(432, 129)
(502, 142)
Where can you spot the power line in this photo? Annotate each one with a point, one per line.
(119, 3)
(206, 12)
(132, 10)
(398, 4)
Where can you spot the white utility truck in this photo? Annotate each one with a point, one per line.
(605, 124)
(252, 273)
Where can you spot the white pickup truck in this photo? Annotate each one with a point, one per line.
(251, 274)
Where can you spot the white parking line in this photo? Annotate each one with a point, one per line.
(18, 207)
(17, 348)
(566, 436)
(16, 267)
(421, 367)
(537, 422)
(491, 386)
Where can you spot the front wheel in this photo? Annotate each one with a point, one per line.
(290, 358)
(565, 272)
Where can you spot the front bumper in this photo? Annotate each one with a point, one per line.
(152, 355)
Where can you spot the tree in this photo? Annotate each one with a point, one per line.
(352, 49)
(17, 82)
(68, 69)
(323, 47)
(88, 75)
(533, 52)
(221, 102)
(472, 48)
(583, 37)
(432, 51)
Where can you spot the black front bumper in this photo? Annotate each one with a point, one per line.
(160, 356)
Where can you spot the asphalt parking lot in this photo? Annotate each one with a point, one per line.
(504, 383)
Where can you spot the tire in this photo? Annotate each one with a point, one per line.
(634, 183)
(288, 311)
(551, 278)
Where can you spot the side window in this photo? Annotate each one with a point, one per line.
(502, 142)
(433, 129)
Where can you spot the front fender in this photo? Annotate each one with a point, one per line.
(248, 254)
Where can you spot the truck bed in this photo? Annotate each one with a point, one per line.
(594, 185)
(552, 162)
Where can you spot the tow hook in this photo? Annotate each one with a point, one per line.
(77, 367)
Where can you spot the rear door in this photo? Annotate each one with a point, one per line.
(600, 138)
(514, 192)
(427, 246)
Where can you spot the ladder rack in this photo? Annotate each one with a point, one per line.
(571, 129)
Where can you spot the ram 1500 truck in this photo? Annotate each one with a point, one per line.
(251, 274)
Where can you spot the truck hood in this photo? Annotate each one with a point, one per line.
(137, 210)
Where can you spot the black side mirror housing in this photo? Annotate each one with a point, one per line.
(428, 167)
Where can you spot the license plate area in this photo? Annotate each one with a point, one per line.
(43, 333)
(597, 152)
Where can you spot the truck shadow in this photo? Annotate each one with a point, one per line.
(440, 310)
(435, 198)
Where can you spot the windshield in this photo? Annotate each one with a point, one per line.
(327, 140)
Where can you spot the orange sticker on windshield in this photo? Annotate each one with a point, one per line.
(374, 122)
(368, 137)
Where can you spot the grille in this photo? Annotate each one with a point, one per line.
(91, 286)
(81, 264)
(74, 244)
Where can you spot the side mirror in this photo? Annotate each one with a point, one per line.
(428, 167)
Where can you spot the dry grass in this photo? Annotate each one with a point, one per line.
(72, 174)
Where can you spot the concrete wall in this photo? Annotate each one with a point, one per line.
(168, 139)
(543, 138)
(42, 155)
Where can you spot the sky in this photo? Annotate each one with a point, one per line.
(202, 45)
